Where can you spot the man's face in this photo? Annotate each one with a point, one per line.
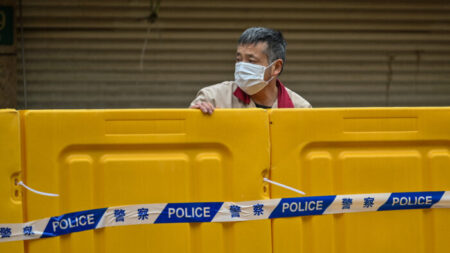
(252, 53)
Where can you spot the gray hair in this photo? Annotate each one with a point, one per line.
(276, 44)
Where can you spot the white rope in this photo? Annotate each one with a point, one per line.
(284, 186)
(38, 192)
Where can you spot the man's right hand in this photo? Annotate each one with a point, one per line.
(205, 107)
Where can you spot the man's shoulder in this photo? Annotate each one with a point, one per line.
(219, 95)
(299, 101)
(220, 87)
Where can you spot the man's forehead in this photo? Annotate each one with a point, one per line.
(254, 48)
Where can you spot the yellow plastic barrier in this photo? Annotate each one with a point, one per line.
(10, 164)
(349, 151)
(102, 158)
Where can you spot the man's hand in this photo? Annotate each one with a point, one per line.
(205, 107)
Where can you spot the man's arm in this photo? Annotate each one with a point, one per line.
(202, 102)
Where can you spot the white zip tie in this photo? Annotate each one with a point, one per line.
(284, 186)
(38, 192)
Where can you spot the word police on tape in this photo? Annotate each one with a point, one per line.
(220, 212)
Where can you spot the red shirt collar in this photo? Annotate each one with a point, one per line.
(284, 101)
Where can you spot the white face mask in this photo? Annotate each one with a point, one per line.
(250, 77)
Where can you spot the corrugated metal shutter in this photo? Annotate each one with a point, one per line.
(93, 54)
(8, 56)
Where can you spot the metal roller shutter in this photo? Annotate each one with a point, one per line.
(106, 54)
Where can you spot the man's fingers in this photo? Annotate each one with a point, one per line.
(205, 107)
(210, 107)
(200, 106)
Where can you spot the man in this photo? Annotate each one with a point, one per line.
(260, 57)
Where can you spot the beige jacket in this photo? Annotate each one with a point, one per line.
(228, 95)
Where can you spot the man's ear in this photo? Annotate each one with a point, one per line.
(277, 67)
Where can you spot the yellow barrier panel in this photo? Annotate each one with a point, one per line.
(10, 164)
(102, 158)
(350, 151)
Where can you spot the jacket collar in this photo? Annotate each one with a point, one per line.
(284, 101)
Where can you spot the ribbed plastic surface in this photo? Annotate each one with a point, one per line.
(97, 159)
(104, 158)
(348, 151)
(10, 169)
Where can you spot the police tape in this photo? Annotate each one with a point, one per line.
(221, 212)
